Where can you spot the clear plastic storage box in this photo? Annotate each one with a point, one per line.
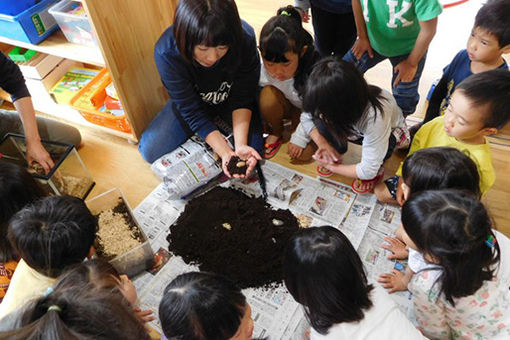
(75, 26)
(69, 176)
(134, 260)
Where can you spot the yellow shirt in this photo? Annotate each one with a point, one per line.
(432, 134)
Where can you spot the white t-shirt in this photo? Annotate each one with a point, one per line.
(286, 87)
(382, 321)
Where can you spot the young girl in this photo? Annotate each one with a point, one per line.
(345, 107)
(288, 55)
(427, 169)
(17, 189)
(90, 301)
(208, 63)
(323, 272)
(204, 306)
(463, 292)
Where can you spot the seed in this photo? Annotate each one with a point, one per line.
(240, 164)
(277, 222)
(227, 226)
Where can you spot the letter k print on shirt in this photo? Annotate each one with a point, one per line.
(392, 5)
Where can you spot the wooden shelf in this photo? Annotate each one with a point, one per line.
(57, 44)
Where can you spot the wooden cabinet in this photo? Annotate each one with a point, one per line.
(127, 31)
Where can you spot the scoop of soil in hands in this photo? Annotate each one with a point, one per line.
(237, 166)
(227, 232)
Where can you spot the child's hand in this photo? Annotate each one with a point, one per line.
(37, 153)
(362, 45)
(144, 315)
(406, 72)
(294, 151)
(397, 248)
(305, 15)
(394, 281)
(327, 154)
(251, 156)
(225, 159)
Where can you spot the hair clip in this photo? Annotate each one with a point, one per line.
(55, 308)
(285, 13)
(491, 241)
(48, 291)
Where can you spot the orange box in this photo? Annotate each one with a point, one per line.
(90, 99)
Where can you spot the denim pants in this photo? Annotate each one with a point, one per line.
(405, 93)
(167, 131)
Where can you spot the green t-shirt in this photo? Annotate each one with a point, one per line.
(393, 25)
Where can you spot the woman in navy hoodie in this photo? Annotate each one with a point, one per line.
(209, 64)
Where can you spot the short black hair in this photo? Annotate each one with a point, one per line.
(212, 23)
(490, 90)
(337, 93)
(452, 226)
(201, 306)
(285, 33)
(493, 17)
(323, 272)
(17, 189)
(441, 168)
(53, 233)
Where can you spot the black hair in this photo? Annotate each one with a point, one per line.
(17, 189)
(323, 272)
(211, 23)
(285, 33)
(337, 93)
(201, 306)
(79, 309)
(53, 233)
(452, 227)
(441, 168)
(493, 17)
(491, 90)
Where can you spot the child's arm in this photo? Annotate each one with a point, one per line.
(325, 154)
(407, 69)
(241, 125)
(396, 281)
(362, 44)
(397, 247)
(437, 97)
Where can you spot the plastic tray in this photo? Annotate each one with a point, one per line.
(91, 98)
(76, 28)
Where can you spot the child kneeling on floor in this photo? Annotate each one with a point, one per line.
(345, 108)
(49, 236)
(323, 272)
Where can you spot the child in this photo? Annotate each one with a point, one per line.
(288, 56)
(209, 64)
(427, 169)
(346, 108)
(490, 38)
(88, 302)
(204, 306)
(400, 31)
(462, 292)
(323, 272)
(17, 189)
(49, 236)
(478, 108)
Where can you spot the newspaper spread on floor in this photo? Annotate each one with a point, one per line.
(314, 202)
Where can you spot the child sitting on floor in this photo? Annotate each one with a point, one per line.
(288, 55)
(478, 108)
(461, 291)
(489, 39)
(17, 189)
(323, 272)
(345, 107)
(90, 301)
(49, 236)
(204, 306)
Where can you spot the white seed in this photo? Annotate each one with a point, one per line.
(240, 164)
(273, 239)
(227, 226)
(277, 222)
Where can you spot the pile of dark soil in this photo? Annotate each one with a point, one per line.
(227, 232)
(237, 166)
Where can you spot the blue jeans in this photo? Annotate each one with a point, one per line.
(405, 93)
(167, 131)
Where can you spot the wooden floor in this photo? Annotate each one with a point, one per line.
(114, 162)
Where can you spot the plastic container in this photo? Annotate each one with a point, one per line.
(11, 7)
(69, 176)
(136, 259)
(90, 100)
(21, 54)
(76, 28)
(32, 25)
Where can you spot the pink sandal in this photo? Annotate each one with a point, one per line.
(370, 183)
(323, 172)
(271, 149)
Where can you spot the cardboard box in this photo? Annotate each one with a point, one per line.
(39, 66)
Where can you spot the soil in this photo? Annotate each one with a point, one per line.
(117, 233)
(227, 232)
(237, 166)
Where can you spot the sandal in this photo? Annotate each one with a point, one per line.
(271, 149)
(370, 183)
(323, 172)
